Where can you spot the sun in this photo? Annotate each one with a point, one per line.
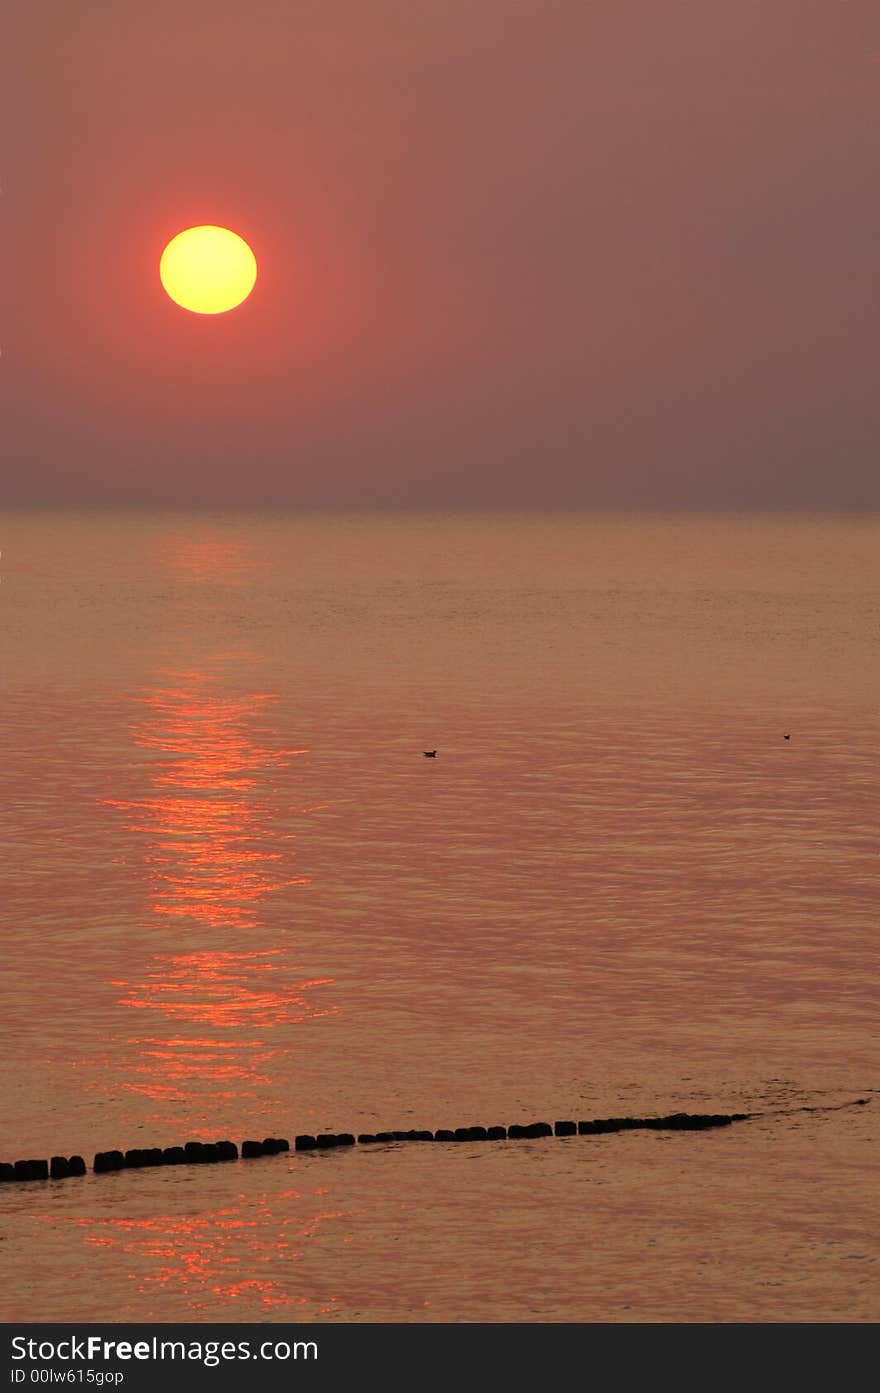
(208, 269)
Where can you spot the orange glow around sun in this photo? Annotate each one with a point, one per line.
(208, 269)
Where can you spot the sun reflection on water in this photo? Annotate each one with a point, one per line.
(214, 847)
(222, 988)
(199, 1259)
(211, 840)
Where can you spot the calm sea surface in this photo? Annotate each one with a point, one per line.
(238, 901)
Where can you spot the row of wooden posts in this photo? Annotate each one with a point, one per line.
(201, 1153)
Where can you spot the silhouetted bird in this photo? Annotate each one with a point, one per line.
(786, 737)
(432, 754)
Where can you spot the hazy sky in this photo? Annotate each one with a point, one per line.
(556, 253)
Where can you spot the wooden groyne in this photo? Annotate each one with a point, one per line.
(197, 1153)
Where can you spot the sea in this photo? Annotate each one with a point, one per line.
(639, 876)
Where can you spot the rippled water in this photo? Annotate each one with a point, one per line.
(237, 900)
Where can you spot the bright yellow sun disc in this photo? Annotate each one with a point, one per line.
(208, 269)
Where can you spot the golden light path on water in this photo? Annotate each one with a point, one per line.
(211, 852)
(211, 857)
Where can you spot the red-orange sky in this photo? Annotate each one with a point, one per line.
(512, 252)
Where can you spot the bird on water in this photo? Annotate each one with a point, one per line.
(786, 737)
(432, 754)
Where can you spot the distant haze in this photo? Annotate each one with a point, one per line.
(513, 253)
